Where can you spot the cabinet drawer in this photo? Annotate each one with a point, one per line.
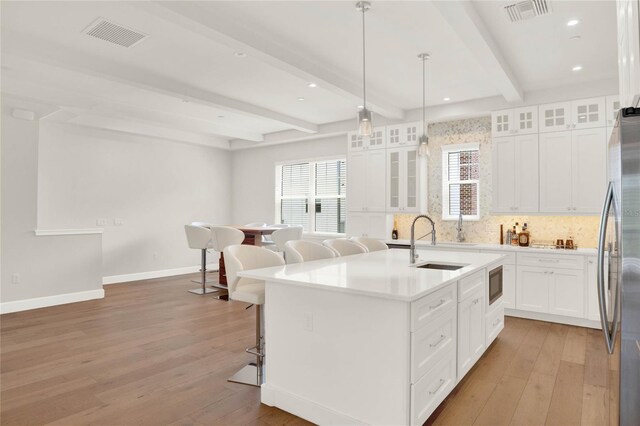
(430, 343)
(495, 323)
(567, 261)
(510, 258)
(468, 285)
(424, 310)
(433, 388)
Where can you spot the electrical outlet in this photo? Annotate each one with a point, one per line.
(101, 222)
(307, 321)
(118, 221)
(15, 278)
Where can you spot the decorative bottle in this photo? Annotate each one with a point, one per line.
(523, 237)
(394, 233)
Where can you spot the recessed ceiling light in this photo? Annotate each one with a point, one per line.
(240, 54)
(312, 85)
(575, 37)
(301, 99)
(577, 68)
(572, 22)
(446, 99)
(221, 116)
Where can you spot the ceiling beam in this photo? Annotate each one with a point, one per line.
(54, 54)
(465, 21)
(218, 24)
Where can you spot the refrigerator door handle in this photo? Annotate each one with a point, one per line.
(608, 336)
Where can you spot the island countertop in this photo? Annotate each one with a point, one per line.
(385, 274)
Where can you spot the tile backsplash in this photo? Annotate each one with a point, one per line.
(583, 229)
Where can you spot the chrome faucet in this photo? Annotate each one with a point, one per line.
(460, 237)
(412, 248)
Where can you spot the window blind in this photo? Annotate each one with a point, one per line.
(463, 175)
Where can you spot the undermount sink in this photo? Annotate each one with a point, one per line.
(440, 266)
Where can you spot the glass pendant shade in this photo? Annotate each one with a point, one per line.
(423, 146)
(365, 127)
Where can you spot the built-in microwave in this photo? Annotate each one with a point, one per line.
(495, 284)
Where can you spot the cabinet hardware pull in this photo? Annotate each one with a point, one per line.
(433, 345)
(496, 322)
(476, 301)
(438, 305)
(433, 392)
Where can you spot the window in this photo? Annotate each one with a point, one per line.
(312, 194)
(461, 181)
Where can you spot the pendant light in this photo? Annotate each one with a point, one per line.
(423, 146)
(365, 127)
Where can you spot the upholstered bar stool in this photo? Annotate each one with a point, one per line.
(221, 238)
(267, 240)
(284, 235)
(299, 251)
(345, 247)
(240, 258)
(371, 243)
(199, 237)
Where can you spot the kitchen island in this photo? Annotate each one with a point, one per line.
(370, 338)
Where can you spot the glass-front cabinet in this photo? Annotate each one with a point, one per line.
(403, 180)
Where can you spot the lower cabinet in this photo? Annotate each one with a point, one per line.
(494, 322)
(593, 304)
(471, 333)
(509, 286)
(433, 388)
(532, 289)
(551, 290)
(372, 225)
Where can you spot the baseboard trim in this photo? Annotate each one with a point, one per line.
(540, 316)
(116, 279)
(44, 302)
(302, 407)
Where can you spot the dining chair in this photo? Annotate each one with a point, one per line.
(298, 251)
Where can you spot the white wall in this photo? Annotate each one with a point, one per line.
(253, 174)
(154, 186)
(50, 270)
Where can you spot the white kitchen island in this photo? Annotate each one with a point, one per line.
(369, 339)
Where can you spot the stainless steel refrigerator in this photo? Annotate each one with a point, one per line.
(619, 268)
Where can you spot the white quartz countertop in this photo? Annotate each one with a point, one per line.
(496, 247)
(386, 274)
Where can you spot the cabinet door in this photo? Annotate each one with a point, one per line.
(532, 289)
(526, 120)
(612, 107)
(593, 304)
(509, 286)
(357, 178)
(357, 223)
(356, 142)
(526, 174)
(504, 175)
(410, 174)
(502, 123)
(554, 117)
(378, 139)
(555, 172)
(377, 226)
(588, 113)
(394, 180)
(376, 181)
(471, 327)
(403, 134)
(566, 292)
(589, 169)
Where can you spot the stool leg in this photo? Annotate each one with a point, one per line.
(253, 374)
(203, 274)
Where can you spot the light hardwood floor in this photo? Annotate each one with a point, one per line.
(151, 353)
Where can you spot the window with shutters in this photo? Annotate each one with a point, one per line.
(461, 181)
(312, 194)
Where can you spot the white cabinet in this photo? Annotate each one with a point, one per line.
(573, 171)
(471, 330)
(554, 117)
(532, 289)
(629, 51)
(519, 121)
(376, 141)
(515, 174)
(588, 113)
(612, 108)
(367, 179)
(566, 296)
(593, 304)
(403, 183)
(509, 286)
(363, 224)
(403, 134)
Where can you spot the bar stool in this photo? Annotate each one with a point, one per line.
(371, 243)
(221, 238)
(284, 235)
(266, 239)
(199, 237)
(345, 247)
(240, 258)
(299, 251)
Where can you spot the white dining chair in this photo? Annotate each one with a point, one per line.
(222, 237)
(371, 243)
(241, 258)
(199, 238)
(344, 247)
(299, 251)
(282, 236)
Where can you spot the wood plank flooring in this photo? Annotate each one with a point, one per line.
(151, 353)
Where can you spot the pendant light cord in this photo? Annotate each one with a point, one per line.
(424, 89)
(364, 68)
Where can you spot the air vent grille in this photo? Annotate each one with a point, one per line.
(106, 30)
(527, 9)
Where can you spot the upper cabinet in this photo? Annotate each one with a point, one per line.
(366, 175)
(555, 117)
(403, 180)
(518, 121)
(612, 108)
(579, 114)
(376, 141)
(403, 134)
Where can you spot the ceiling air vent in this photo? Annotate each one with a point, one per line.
(528, 9)
(113, 33)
